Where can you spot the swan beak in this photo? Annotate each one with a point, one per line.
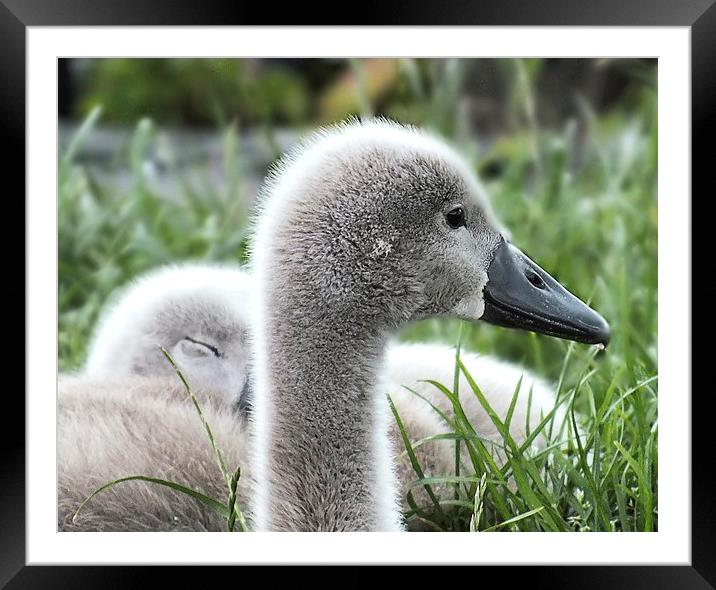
(519, 294)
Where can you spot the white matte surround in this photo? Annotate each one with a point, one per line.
(671, 545)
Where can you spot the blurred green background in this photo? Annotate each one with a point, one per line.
(160, 160)
(172, 151)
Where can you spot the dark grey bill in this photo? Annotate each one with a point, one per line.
(519, 294)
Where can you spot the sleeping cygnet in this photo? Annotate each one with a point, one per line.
(198, 313)
(127, 413)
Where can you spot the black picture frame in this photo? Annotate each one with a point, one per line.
(699, 15)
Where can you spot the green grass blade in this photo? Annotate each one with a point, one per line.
(482, 460)
(521, 468)
(218, 507)
(517, 518)
(413, 459)
(644, 486)
(456, 390)
(233, 508)
(217, 453)
(601, 508)
(478, 505)
(513, 403)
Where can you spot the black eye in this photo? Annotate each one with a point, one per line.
(455, 217)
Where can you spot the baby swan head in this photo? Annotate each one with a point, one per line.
(380, 222)
(198, 313)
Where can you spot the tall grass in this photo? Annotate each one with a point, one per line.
(580, 200)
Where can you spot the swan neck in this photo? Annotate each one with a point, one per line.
(326, 447)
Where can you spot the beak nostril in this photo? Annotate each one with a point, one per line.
(535, 279)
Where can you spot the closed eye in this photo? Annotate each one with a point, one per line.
(213, 349)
